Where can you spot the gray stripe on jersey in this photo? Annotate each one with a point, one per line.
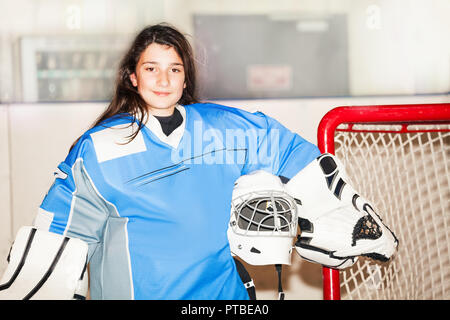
(97, 222)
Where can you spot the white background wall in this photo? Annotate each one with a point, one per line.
(395, 46)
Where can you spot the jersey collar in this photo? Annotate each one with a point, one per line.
(172, 139)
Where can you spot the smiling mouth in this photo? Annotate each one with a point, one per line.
(161, 94)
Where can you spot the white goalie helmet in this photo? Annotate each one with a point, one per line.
(263, 220)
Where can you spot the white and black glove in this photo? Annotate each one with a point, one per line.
(44, 265)
(337, 225)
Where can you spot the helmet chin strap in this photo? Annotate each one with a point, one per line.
(278, 267)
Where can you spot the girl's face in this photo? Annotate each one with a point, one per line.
(159, 78)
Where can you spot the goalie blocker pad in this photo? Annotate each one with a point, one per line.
(45, 266)
(337, 225)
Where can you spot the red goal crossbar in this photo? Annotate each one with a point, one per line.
(376, 114)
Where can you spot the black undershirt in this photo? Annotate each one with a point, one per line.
(170, 123)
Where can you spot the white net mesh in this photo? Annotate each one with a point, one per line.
(406, 176)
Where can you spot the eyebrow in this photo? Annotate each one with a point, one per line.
(172, 64)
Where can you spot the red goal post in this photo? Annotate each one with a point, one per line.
(396, 155)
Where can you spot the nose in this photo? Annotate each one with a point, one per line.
(163, 79)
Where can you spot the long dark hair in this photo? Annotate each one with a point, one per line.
(126, 98)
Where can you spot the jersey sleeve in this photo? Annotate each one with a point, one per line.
(276, 149)
(73, 206)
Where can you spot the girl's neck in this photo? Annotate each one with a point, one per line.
(166, 112)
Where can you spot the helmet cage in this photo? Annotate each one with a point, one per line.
(264, 213)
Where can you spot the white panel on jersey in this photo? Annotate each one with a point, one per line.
(43, 219)
(112, 143)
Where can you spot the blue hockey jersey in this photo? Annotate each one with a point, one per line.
(155, 210)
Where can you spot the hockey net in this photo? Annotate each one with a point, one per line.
(397, 157)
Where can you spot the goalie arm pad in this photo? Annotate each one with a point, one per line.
(337, 224)
(45, 266)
